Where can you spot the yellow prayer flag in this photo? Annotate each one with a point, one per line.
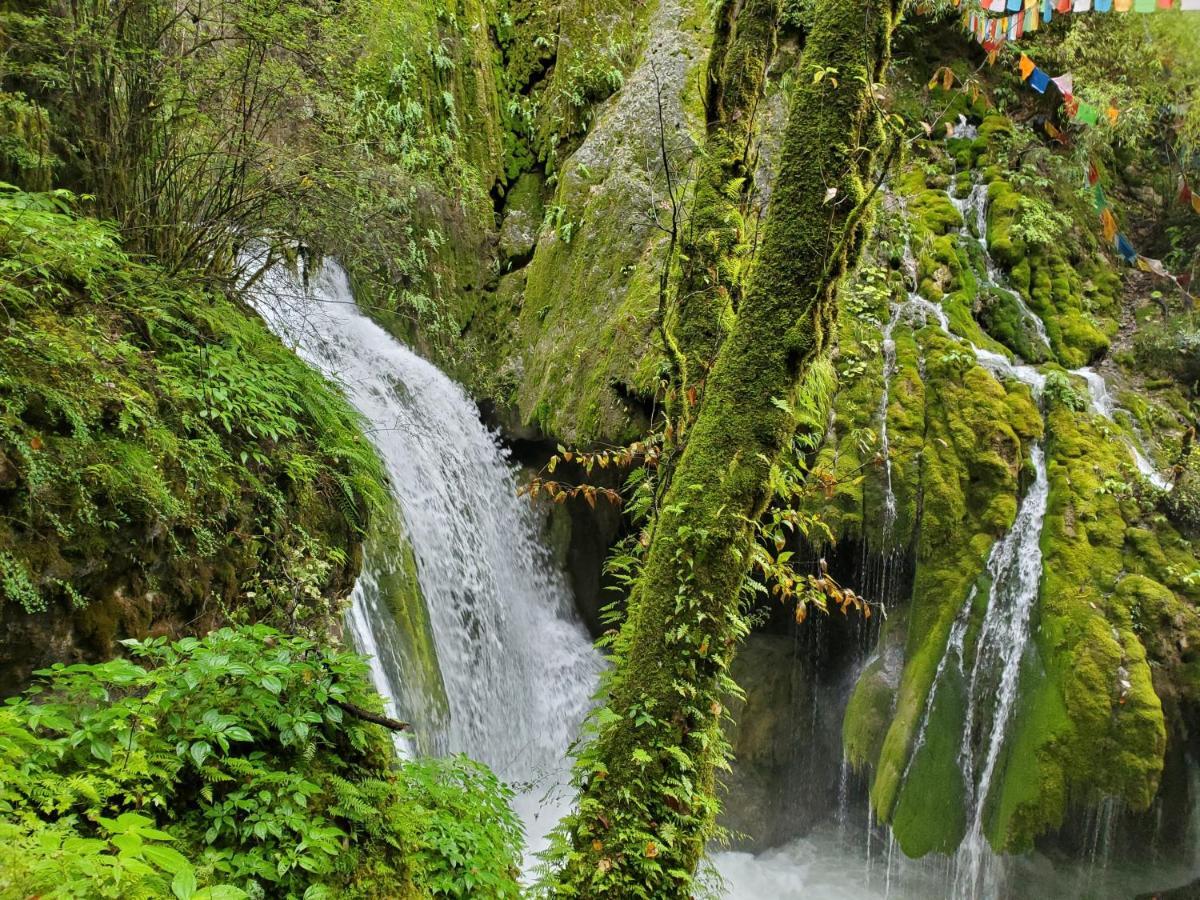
(1112, 112)
(1027, 67)
(1109, 223)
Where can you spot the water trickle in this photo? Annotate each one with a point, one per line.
(517, 665)
(1015, 569)
(954, 652)
(1104, 405)
(965, 130)
(974, 207)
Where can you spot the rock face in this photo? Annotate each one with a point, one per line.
(592, 286)
(974, 268)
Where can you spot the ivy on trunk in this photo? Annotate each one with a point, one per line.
(647, 799)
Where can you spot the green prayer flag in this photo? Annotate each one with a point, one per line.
(1101, 202)
(1088, 114)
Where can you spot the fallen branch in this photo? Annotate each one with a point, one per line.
(367, 716)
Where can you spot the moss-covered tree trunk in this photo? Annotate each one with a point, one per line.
(647, 796)
(743, 45)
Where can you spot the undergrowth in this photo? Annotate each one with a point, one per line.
(145, 417)
(236, 765)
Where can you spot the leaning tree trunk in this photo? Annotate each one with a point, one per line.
(743, 46)
(647, 796)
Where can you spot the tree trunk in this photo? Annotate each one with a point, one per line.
(647, 796)
(743, 46)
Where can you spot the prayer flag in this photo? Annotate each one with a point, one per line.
(1185, 194)
(1083, 5)
(1039, 80)
(1013, 22)
(1103, 5)
(1048, 10)
(1071, 105)
(1123, 5)
(1153, 265)
(1031, 20)
(1064, 6)
(1055, 133)
(1126, 249)
(1165, 4)
(1109, 223)
(1065, 84)
(1113, 113)
(1143, 6)
(1087, 114)
(1093, 174)
(1014, 5)
(1027, 67)
(1101, 202)
(1196, 201)
(1189, 5)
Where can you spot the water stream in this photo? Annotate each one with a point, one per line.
(1015, 570)
(517, 665)
(973, 207)
(1104, 405)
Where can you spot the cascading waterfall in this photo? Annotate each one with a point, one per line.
(974, 206)
(1103, 405)
(1015, 569)
(517, 665)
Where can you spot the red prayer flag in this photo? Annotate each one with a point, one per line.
(1093, 174)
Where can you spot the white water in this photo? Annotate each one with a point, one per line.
(518, 666)
(1015, 567)
(974, 206)
(1103, 405)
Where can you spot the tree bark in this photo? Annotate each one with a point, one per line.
(743, 46)
(647, 799)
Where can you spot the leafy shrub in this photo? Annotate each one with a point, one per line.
(1172, 348)
(140, 410)
(236, 761)
(1060, 392)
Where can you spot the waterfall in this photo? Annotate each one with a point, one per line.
(1015, 569)
(974, 205)
(1103, 405)
(517, 665)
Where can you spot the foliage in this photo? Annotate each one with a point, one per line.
(1171, 348)
(138, 408)
(235, 761)
(1060, 391)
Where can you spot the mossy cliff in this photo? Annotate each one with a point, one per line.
(1102, 691)
(165, 463)
(561, 334)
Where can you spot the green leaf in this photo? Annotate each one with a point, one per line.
(166, 858)
(183, 885)
(271, 683)
(200, 751)
(131, 821)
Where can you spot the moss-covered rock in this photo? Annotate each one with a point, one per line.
(586, 347)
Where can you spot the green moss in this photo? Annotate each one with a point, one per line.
(159, 441)
(1091, 724)
(586, 335)
(1065, 293)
